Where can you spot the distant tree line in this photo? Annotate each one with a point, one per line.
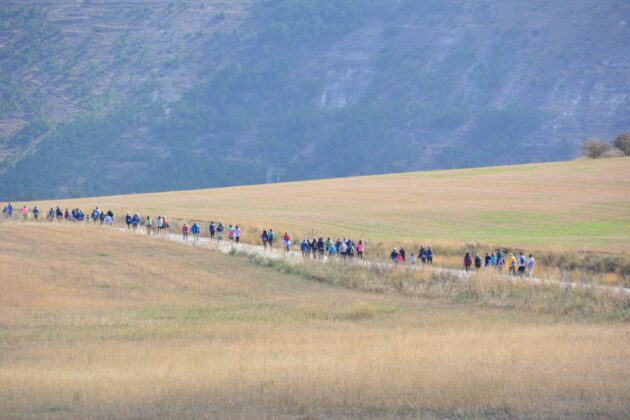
(596, 148)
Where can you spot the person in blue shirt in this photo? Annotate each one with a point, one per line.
(135, 221)
(196, 230)
(305, 248)
(422, 253)
(429, 255)
(220, 232)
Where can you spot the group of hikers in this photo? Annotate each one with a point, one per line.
(500, 259)
(74, 215)
(215, 231)
(315, 248)
(400, 256)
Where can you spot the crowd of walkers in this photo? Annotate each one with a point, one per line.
(344, 248)
(316, 248)
(73, 215)
(516, 265)
(425, 256)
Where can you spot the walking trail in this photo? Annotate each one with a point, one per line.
(227, 246)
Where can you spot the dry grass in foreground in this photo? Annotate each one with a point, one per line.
(93, 324)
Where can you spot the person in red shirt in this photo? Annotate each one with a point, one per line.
(287, 241)
(185, 230)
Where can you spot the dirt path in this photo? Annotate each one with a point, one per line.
(278, 252)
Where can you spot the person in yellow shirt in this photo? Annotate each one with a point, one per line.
(512, 265)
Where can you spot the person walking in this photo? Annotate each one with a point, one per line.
(95, 215)
(148, 223)
(467, 261)
(36, 213)
(487, 260)
(343, 249)
(412, 259)
(422, 253)
(522, 264)
(135, 221)
(159, 223)
(360, 249)
(196, 230)
(272, 237)
(24, 212)
(185, 230)
(394, 255)
(332, 251)
(512, 265)
(8, 211)
(477, 261)
(237, 234)
(305, 248)
(430, 255)
(321, 248)
(212, 228)
(531, 263)
(220, 232)
(287, 241)
(264, 237)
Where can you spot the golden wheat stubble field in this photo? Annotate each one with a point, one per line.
(94, 322)
(577, 205)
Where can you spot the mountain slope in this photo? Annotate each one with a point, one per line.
(211, 93)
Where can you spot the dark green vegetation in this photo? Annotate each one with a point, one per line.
(100, 99)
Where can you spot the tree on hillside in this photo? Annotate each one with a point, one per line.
(595, 148)
(622, 142)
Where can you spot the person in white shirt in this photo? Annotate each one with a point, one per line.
(531, 263)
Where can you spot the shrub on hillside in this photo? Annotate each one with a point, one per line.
(595, 148)
(622, 142)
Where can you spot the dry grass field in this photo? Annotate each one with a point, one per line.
(95, 323)
(577, 205)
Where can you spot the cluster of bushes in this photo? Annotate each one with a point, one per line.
(596, 148)
(590, 263)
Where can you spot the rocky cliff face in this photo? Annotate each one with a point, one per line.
(299, 89)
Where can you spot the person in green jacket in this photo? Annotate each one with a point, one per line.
(149, 224)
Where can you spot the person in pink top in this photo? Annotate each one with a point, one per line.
(25, 212)
(185, 230)
(360, 248)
